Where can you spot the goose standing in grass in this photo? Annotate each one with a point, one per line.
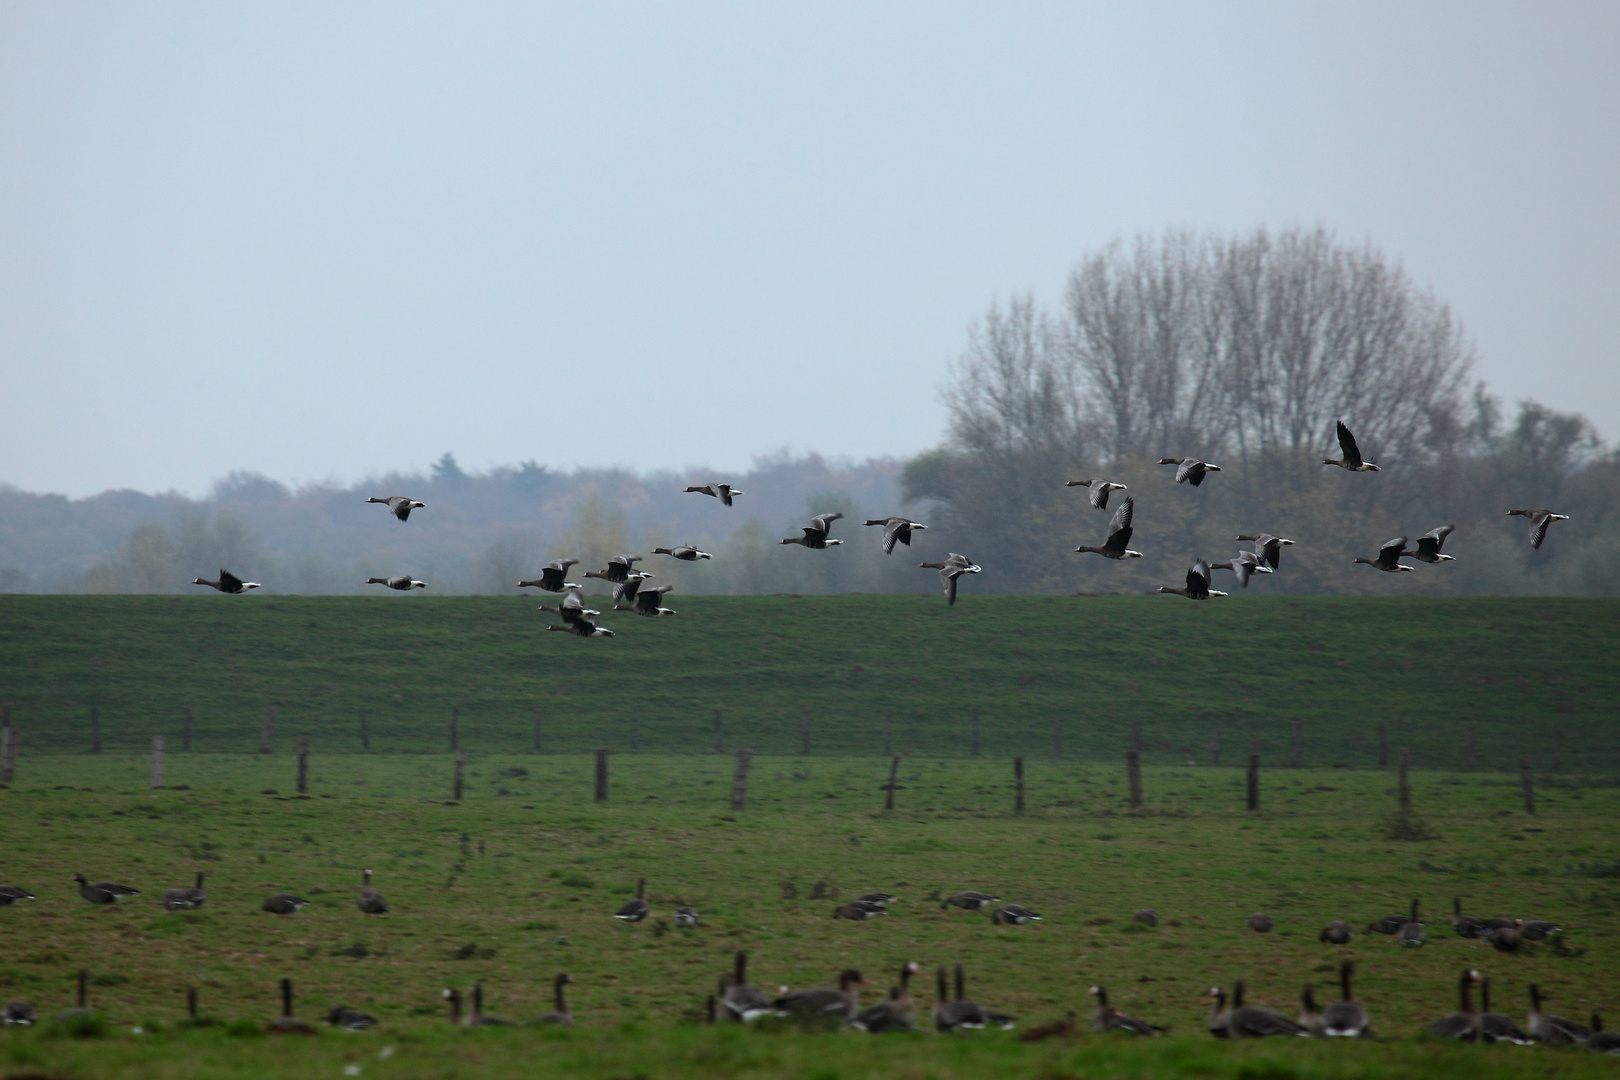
(104, 893)
(1255, 1021)
(287, 1023)
(1539, 520)
(350, 1019)
(635, 909)
(1352, 459)
(1268, 547)
(1337, 932)
(970, 900)
(724, 492)
(683, 552)
(560, 1014)
(1466, 925)
(1117, 546)
(1412, 933)
(1097, 490)
(1219, 1014)
(18, 1014)
(1430, 543)
(1346, 1018)
(1197, 584)
(186, 899)
(898, 1013)
(1495, 1026)
(1389, 557)
(1013, 915)
(741, 1001)
(1600, 1041)
(1189, 470)
(1464, 1023)
(1108, 1018)
(619, 569)
(648, 603)
(896, 529)
(370, 901)
(686, 917)
(12, 894)
(551, 578)
(823, 1002)
(229, 583)
(1244, 564)
(81, 1010)
(1547, 1028)
(284, 903)
(571, 607)
(398, 582)
(816, 533)
(583, 627)
(399, 505)
(991, 1019)
(478, 1017)
(858, 911)
(1260, 923)
(950, 1015)
(952, 568)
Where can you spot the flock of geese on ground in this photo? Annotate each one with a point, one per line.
(630, 593)
(738, 1000)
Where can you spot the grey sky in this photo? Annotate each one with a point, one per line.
(321, 240)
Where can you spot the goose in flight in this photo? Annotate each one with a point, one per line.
(571, 607)
(1352, 459)
(951, 569)
(815, 533)
(1539, 520)
(551, 578)
(626, 590)
(1243, 564)
(401, 582)
(724, 492)
(895, 528)
(1190, 470)
(1389, 556)
(1097, 489)
(1197, 583)
(618, 569)
(684, 552)
(227, 583)
(1429, 544)
(399, 505)
(584, 626)
(1268, 547)
(1119, 534)
(648, 603)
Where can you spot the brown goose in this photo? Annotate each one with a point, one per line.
(1013, 915)
(399, 505)
(741, 1001)
(619, 569)
(1389, 557)
(991, 1019)
(950, 1015)
(584, 627)
(1346, 1017)
(1538, 929)
(970, 900)
(371, 901)
(350, 1019)
(287, 1023)
(18, 1013)
(1495, 1026)
(571, 607)
(1197, 584)
(1108, 1018)
(398, 582)
(186, 899)
(1219, 1014)
(1429, 544)
(859, 911)
(635, 909)
(898, 1013)
(648, 603)
(1310, 1014)
(1352, 459)
(1337, 932)
(1119, 534)
(453, 997)
(896, 529)
(683, 552)
(11, 894)
(478, 1017)
(724, 492)
(284, 903)
(1260, 923)
(104, 893)
(1243, 564)
(1505, 938)
(1391, 924)
(1097, 490)
(1268, 547)
(1600, 1042)
(1190, 470)
(1539, 520)
(1466, 925)
(823, 1002)
(560, 1013)
(1547, 1028)
(227, 583)
(1412, 933)
(551, 578)
(815, 533)
(1464, 1023)
(1255, 1021)
(952, 568)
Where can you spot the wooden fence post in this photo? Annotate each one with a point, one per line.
(1468, 748)
(1297, 759)
(1527, 782)
(303, 766)
(1058, 740)
(739, 779)
(804, 736)
(157, 761)
(95, 729)
(8, 751)
(365, 733)
(1215, 746)
(1383, 747)
(536, 747)
(891, 787)
(461, 772)
(185, 732)
(1254, 781)
(1018, 780)
(455, 727)
(601, 776)
(1402, 759)
(1133, 774)
(717, 742)
(975, 744)
(888, 719)
(635, 727)
(267, 735)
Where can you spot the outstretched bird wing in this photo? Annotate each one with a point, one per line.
(1347, 445)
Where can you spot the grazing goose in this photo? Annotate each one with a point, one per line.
(1146, 915)
(815, 533)
(970, 900)
(398, 582)
(1260, 923)
(952, 568)
(741, 1001)
(1539, 520)
(950, 1015)
(371, 901)
(1495, 1026)
(103, 892)
(18, 1014)
(881, 899)
(350, 1019)
(1346, 1017)
(1412, 935)
(896, 529)
(1391, 924)
(284, 903)
(1352, 459)
(1255, 1021)
(626, 591)
(1538, 929)
(186, 899)
(1108, 1018)
(227, 583)
(560, 1013)
(287, 1023)
(81, 1010)
(619, 569)
(991, 1019)
(551, 578)
(571, 607)
(1097, 490)
(1219, 1014)
(584, 627)
(1189, 469)
(898, 1013)
(724, 492)
(686, 916)
(1197, 584)
(823, 1002)
(1547, 1028)
(399, 505)
(636, 909)
(859, 911)
(648, 603)
(1013, 915)
(1389, 557)
(1505, 938)
(1429, 544)
(1337, 932)
(1466, 925)
(1310, 1015)
(1600, 1042)
(683, 552)
(11, 894)
(1117, 546)
(1268, 547)
(1464, 1023)
(1243, 564)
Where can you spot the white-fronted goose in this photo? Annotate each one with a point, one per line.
(1495, 1026)
(1466, 925)
(284, 903)
(1268, 547)
(1412, 933)
(1243, 564)
(1108, 1018)
(1430, 543)
(1504, 938)
(1260, 923)
(350, 1019)
(1310, 1014)
(104, 893)
(635, 909)
(898, 1013)
(1189, 470)
(1346, 1018)
(571, 607)
(815, 533)
(950, 1015)
(583, 627)
(683, 552)
(686, 916)
(186, 899)
(1256, 1021)
(370, 901)
(724, 492)
(991, 1019)
(1547, 1028)
(399, 505)
(1337, 932)
(1218, 1013)
(551, 578)
(952, 568)
(626, 591)
(13, 894)
(970, 900)
(452, 996)
(287, 1023)
(1539, 520)
(858, 911)
(1391, 924)
(823, 1002)
(478, 1017)
(1117, 546)
(881, 899)
(1146, 915)
(229, 583)
(648, 603)
(398, 582)
(1197, 584)
(1464, 1023)
(896, 529)
(1538, 929)
(1600, 1041)
(560, 1014)
(1389, 557)
(742, 1002)
(18, 1014)
(619, 569)
(1097, 490)
(1013, 915)
(80, 1011)
(1352, 459)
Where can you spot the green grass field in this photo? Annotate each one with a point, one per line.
(517, 882)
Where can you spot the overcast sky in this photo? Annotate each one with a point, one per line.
(326, 240)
